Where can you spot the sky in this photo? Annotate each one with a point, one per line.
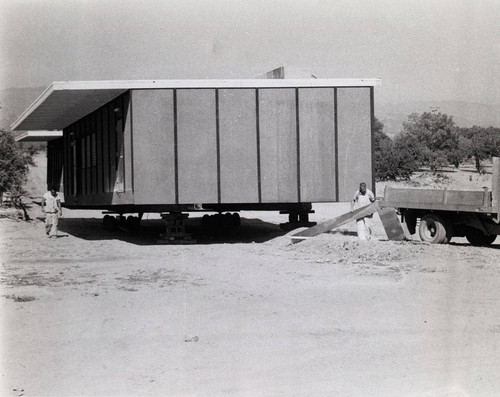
(441, 50)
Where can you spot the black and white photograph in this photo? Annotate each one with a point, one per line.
(250, 198)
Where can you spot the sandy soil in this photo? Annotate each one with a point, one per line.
(246, 314)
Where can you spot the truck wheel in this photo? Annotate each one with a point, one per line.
(478, 238)
(433, 229)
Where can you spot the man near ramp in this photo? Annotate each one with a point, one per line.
(361, 198)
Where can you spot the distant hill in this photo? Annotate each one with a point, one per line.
(465, 114)
(14, 101)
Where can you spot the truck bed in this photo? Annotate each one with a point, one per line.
(440, 200)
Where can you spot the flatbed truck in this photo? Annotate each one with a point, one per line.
(444, 214)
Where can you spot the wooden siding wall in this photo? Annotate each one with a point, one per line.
(55, 164)
(267, 145)
(245, 145)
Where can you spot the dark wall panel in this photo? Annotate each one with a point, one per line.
(113, 154)
(99, 154)
(55, 165)
(153, 146)
(106, 158)
(127, 146)
(88, 165)
(278, 145)
(317, 144)
(119, 131)
(197, 146)
(354, 140)
(238, 146)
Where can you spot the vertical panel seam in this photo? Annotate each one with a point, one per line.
(217, 140)
(336, 134)
(176, 149)
(297, 127)
(132, 182)
(257, 131)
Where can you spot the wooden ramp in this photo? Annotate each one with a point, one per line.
(392, 226)
(388, 217)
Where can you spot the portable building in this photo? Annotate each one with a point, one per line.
(220, 145)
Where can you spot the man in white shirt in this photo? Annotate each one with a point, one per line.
(51, 207)
(361, 198)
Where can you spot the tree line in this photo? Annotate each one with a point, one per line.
(431, 140)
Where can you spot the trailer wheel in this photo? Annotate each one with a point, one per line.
(433, 229)
(236, 221)
(133, 223)
(478, 238)
(109, 222)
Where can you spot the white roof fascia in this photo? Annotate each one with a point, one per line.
(38, 136)
(202, 83)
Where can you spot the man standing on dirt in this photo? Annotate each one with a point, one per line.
(361, 198)
(51, 207)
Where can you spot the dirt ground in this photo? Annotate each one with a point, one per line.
(101, 313)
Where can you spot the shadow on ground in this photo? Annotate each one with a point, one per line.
(495, 245)
(251, 231)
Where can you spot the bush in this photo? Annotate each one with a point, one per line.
(14, 165)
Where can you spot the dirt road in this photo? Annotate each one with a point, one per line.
(248, 314)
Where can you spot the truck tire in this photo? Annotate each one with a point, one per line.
(477, 238)
(434, 229)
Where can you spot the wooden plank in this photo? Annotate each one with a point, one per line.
(391, 223)
(336, 222)
(495, 187)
